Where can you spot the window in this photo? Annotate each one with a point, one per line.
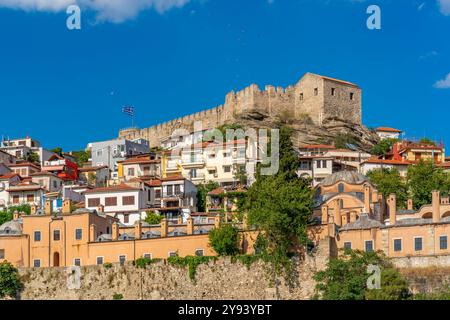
(226, 154)
(131, 172)
(347, 245)
(99, 153)
(177, 189)
(16, 199)
(318, 164)
(352, 95)
(37, 236)
(324, 164)
(368, 245)
(78, 234)
(122, 259)
(2, 253)
(173, 254)
(333, 91)
(30, 198)
(199, 252)
(227, 169)
(56, 235)
(418, 244)
(110, 201)
(77, 262)
(147, 255)
(316, 91)
(443, 242)
(158, 194)
(99, 260)
(126, 218)
(397, 245)
(128, 200)
(170, 188)
(341, 188)
(37, 263)
(93, 202)
(55, 184)
(301, 96)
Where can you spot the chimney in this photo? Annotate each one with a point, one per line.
(101, 208)
(137, 230)
(410, 204)
(367, 199)
(337, 212)
(331, 228)
(164, 228)
(353, 216)
(16, 215)
(324, 214)
(217, 221)
(115, 231)
(92, 232)
(392, 202)
(48, 207)
(382, 202)
(190, 226)
(67, 206)
(436, 204)
(33, 209)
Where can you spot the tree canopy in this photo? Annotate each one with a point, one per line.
(383, 147)
(224, 240)
(280, 205)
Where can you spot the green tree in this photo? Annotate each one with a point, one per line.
(389, 181)
(383, 147)
(10, 284)
(81, 157)
(240, 174)
(33, 157)
(202, 192)
(280, 206)
(224, 240)
(7, 214)
(57, 150)
(422, 179)
(153, 218)
(345, 278)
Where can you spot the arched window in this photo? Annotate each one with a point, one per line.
(341, 188)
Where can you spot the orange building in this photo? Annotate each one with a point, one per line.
(86, 237)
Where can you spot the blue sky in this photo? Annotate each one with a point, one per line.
(169, 58)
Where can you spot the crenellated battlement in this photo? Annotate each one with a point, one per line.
(320, 97)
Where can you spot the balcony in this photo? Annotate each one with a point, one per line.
(193, 162)
(197, 177)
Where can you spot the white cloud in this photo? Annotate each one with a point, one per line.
(106, 10)
(444, 83)
(444, 6)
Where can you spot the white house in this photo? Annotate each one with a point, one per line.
(127, 202)
(26, 192)
(374, 163)
(6, 181)
(388, 133)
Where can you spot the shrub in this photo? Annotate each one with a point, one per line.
(153, 218)
(117, 296)
(107, 265)
(224, 240)
(144, 262)
(10, 283)
(192, 262)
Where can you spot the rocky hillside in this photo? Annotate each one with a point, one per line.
(333, 131)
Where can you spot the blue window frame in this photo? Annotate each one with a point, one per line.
(369, 245)
(78, 234)
(418, 244)
(443, 242)
(397, 245)
(37, 236)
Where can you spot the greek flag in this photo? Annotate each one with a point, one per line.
(128, 110)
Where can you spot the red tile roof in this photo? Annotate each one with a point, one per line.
(444, 165)
(24, 164)
(121, 187)
(9, 176)
(387, 129)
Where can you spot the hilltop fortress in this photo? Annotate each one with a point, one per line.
(314, 95)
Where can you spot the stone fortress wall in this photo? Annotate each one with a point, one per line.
(318, 96)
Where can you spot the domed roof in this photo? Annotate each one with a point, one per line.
(350, 177)
(11, 227)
